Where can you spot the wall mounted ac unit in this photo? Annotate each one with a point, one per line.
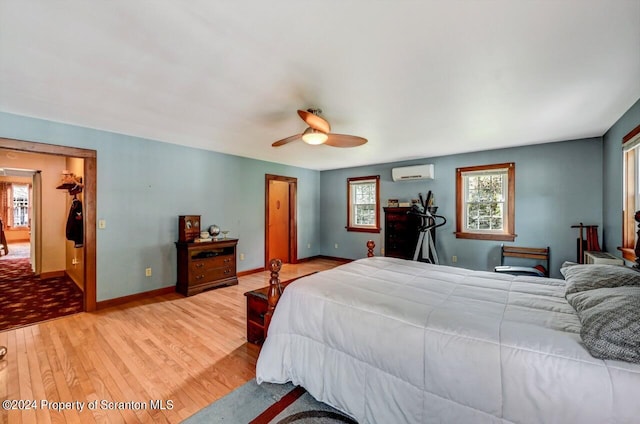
(418, 172)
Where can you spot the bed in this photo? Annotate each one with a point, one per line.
(387, 340)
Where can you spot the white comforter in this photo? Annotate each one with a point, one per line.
(391, 341)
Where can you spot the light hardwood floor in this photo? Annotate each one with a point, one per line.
(184, 352)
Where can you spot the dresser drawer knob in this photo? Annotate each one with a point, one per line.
(200, 277)
(199, 265)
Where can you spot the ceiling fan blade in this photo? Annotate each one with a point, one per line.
(343, 140)
(314, 121)
(287, 140)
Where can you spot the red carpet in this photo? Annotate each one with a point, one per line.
(26, 299)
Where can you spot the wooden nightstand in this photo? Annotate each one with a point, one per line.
(257, 307)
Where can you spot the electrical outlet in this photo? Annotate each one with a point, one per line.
(308, 245)
(242, 256)
(147, 272)
(454, 259)
(102, 224)
(335, 245)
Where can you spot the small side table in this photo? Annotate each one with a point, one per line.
(257, 307)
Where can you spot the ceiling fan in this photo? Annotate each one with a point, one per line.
(319, 132)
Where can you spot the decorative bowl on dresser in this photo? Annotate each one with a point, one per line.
(206, 265)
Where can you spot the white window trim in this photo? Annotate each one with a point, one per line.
(505, 195)
(508, 231)
(351, 225)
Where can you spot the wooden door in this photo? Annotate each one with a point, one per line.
(280, 219)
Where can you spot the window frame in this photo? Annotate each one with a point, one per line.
(508, 232)
(359, 228)
(630, 192)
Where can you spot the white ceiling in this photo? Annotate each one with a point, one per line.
(416, 78)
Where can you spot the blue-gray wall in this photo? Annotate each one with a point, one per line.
(557, 185)
(144, 185)
(612, 177)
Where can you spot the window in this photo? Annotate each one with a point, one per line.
(363, 198)
(14, 204)
(20, 205)
(485, 197)
(631, 191)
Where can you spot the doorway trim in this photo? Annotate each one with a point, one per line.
(89, 195)
(293, 220)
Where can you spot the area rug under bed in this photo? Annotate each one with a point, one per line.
(268, 403)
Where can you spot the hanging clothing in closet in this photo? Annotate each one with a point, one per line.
(75, 227)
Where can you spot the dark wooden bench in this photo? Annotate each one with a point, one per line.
(536, 253)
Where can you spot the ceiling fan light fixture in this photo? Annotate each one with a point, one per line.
(314, 137)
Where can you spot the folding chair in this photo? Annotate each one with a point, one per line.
(536, 253)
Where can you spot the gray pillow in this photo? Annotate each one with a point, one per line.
(593, 276)
(610, 319)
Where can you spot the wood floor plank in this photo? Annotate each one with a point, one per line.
(24, 375)
(40, 339)
(36, 372)
(185, 352)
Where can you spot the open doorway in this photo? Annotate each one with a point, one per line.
(84, 254)
(30, 296)
(16, 210)
(280, 219)
(19, 190)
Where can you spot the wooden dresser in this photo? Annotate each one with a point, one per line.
(202, 266)
(400, 232)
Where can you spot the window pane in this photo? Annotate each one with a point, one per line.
(473, 212)
(20, 205)
(364, 193)
(473, 183)
(485, 199)
(365, 214)
(363, 204)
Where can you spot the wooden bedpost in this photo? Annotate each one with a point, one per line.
(370, 246)
(275, 290)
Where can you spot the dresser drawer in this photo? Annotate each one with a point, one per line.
(200, 265)
(397, 217)
(211, 274)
